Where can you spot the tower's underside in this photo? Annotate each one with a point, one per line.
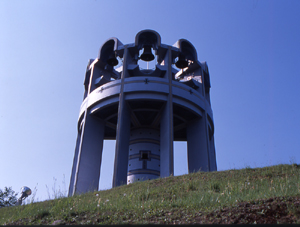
(144, 111)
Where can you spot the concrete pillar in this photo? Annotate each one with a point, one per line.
(197, 147)
(212, 152)
(75, 160)
(122, 145)
(166, 141)
(89, 159)
(166, 127)
(123, 133)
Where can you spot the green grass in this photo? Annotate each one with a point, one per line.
(162, 200)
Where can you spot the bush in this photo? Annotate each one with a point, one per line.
(8, 197)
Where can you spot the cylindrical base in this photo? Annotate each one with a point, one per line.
(144, 155)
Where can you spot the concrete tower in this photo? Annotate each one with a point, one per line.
(144, 110)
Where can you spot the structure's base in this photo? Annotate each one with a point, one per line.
(144, 155)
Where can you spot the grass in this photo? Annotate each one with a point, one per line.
(180, 199)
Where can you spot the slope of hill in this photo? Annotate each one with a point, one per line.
(260, 195)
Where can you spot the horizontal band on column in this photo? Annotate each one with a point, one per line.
(144, 171)
(144, 141)
(133, 156)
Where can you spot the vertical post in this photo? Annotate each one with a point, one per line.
(75, 160)
(166, 129)
(212, 152)
(81, 183)
(123, 134)
(89, 165)
(197, 146)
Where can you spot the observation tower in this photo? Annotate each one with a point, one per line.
(144, 110)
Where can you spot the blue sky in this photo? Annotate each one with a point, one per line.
(252, 49)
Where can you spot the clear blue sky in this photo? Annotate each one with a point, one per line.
(252, 49)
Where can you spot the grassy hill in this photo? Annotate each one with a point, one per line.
(260, 195)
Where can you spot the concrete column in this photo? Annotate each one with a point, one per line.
(198, 158)
(212, 151)
(75, 160)
(122, 145)
(166, 128)
(88, 172)
(123, 133)
(166, 142)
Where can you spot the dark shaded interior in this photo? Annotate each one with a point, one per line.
(146, 113)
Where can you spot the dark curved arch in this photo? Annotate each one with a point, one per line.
(187, 49)
(108, 47)
(149, 37)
